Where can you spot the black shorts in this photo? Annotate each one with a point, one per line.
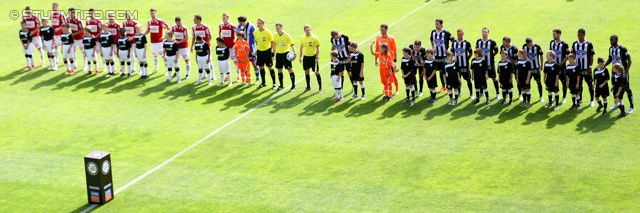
(355, 75)
(453, 83)
(464, 73)
(621, 95)
(264, 58)
(572, 86)
(439, 62)
(535, 74)
(492, 71)
(480, 82)
(522, 82)
(433, 82)
(506, 86)
(602, 92)
(346, 65)
(551, 87)
(309, 62)
(282, 61)
(410, 80)
(587, 78)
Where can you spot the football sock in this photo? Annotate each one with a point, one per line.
(292, 75)
(280, 78)
(262, 76)
(307, 79)
(273, 75)
(319, 78)
(630, 96)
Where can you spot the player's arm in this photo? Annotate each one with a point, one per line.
(578, 82)
(628, 62)
(318, 52)
(394, 50)
(193, 40)
(208, 53)
(361, 66)
(301, 48)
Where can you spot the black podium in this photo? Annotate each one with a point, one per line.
(97, 166)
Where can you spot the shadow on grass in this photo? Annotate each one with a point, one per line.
(393, 109)
(596, 123)
(489, 110)
(134, 84)
(315, 107)
(87, 84)
(514, 112)
(286, 104)
(74, 81)
(416, 109)
(443, 109)
(366, 108)
(539, 115)
(221, 93)
(49, 82)
(182, 90)
(564, 118)
(14, 74)
(84, 207)
(31, 75)
(464, 110)
(340, 106)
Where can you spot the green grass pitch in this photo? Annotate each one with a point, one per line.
(299, 152)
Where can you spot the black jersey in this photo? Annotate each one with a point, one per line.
(523, 67)
(124, 43)
(601, 75)
(335, 69)
(341, 45)
(25, 36)
(451, 70)
(47, 33)
(512, 52)
(141, 40)
(479, 66)
(561, 49)
(505, 68)
(418, 56)
(619, 82)
(429, 67)
(440, 41)
(357, 59)
(202, 49)
(170, 48)
(583, 51)
(462, 50)
(222, 52)
(619, 54)
(572, 72)
(106, 40)
(489, 48)
(66, 39)
(88, 42)
(552, 69)
(407, 66)
(533, 54)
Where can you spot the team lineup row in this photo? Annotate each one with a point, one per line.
(259, 48)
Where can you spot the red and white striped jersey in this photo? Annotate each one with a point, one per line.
(155, 29)
(57, 19)
(96, 27)
(228, 34)
(203, 31)
(114, 28)
(33, 23)
(75, 24)
(129, 27)
(181, 33)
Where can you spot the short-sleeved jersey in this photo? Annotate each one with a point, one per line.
(341, 45)
(180, 33)
(488, 47)
(95, 25)
(561, 49)
(572, 71)
(201, 30)
(619, 54)
(618, 81)
(512, 52)
(75, 24)
(106, 40)
(418, 56)
(202, 49)
(263, 39)
(582, 52)
(309, 44)
(283, 42)
(140, 40)
(479, 66)
(66, 38)
(57, 19)
(33, 23)
(242, 48)
(390, 41)
(335, 69)
(129, 27)
(222, 52)
(552, 69)
(47, 33)
(88, 42)
(170, 48)
(462, 50)
(248, 32)
(156, 28)
(429, 67)
(124, 44)
(523, 67)
(451, 69)
(440, 40)
(357, 59)
(385, 61)
(505, 68)
(407, 66)
(113, 28)
(228, 34)
(25, 36)
(533, 54)
(600, 75)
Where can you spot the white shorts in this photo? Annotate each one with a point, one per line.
(202, 62)
(106, 53)
(66, 53)
(335, 84)
(78, 44)
(232, 54)
(170, 62)
(124, 55)
(156, 49)
(48, 46)
(89, 54)
(184, 52)
(36, 41)
(141, 54)
(223, 66)
(29, 50)
(57, 40)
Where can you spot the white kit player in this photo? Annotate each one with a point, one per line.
(155, 27)
(33, 25)
(181, 35)
(77, 32)
(57, 19)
